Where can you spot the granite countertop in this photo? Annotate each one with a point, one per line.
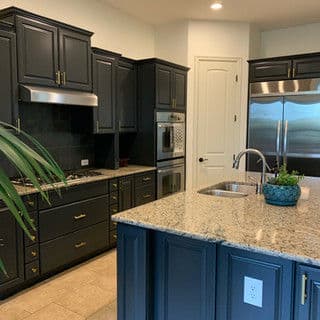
(247, 223)
(105, 174)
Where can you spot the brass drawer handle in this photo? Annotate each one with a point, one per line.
(80, 216)
(115, 236)
(115, 185)
(34, 253)
(30, 203)
(34, 270)
(114, 198)
(146, 179)
(114, 210)
(114, 223)
(33, 238)
(146, 196)
(80, 245)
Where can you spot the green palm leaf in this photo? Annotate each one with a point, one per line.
(31, 161)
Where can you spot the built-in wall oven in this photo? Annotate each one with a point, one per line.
(170, 135)
(170, 177)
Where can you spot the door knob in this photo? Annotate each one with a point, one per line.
(202, 159)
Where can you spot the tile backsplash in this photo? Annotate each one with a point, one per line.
(66, 131)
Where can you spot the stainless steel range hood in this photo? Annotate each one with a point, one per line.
(57, 96)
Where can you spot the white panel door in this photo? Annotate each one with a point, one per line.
(217, 119)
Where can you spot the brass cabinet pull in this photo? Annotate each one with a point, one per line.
(114, 223)
(34, 253)
(19, 124)
(146, 196)
(58, 77)
(33, 238)
(80, 216)
(63, 77)
(146, 179)
(80, 245)
(114, 198)
(115, 185)
(114, 210)
(114, 236)
(30, 203)
(34, 270)
(304, 280)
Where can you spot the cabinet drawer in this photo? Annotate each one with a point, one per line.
(32, 270)
(74, 246)
(31, 253)
(75, 193)
(144, 179)
(114, 209)
(113, 225)
(114, 197)
(113, 185)
(28, 242)
(65, 219)
(144, 195)
(113, 238)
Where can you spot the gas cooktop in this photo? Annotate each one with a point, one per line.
(70, 175)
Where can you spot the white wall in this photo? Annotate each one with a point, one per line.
(255, 42)
(171, 42)
(216, 39)
(294, 40)
(114, 30)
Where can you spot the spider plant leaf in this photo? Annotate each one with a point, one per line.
(3, 269)
(13, 209)
(22, 161)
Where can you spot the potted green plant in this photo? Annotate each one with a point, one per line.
(32, 161)
(283, 189)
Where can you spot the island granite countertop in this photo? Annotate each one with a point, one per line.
(247, 223)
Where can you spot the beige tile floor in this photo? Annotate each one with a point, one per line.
(85, 292)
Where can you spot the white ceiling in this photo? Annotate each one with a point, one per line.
(267, 14)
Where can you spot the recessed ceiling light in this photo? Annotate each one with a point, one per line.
(217, 5)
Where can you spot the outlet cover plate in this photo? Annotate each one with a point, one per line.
(84, 162)
(253, 291)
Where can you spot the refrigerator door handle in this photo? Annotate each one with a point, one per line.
(285, 143)
(278, 143)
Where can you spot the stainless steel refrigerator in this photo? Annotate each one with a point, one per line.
(284, 123)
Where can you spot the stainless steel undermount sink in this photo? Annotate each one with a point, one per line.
(230, 189)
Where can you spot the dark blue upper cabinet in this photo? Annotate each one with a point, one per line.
(252, 286)
(307, 299)
(184, 278)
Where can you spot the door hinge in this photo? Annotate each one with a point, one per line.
(97, 126)
(235, 118)
(237, 78)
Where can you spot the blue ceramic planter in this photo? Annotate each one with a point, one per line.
(281, 195)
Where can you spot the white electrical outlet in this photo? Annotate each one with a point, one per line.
(253, 291)
(84, 162)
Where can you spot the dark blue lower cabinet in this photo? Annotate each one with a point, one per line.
(184, 278)
(133, 273)
(307, 302)
(252, 286)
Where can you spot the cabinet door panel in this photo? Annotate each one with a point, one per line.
(11, 252)
(75, 60)
(270, 70)
(8, 82)
(184, 278)
(180, 89)
(104, 77)
(164, 87)
(306, 68)
(127, 97)
(126, 193)
(37, 52)
(307, 303)
(271, 279)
